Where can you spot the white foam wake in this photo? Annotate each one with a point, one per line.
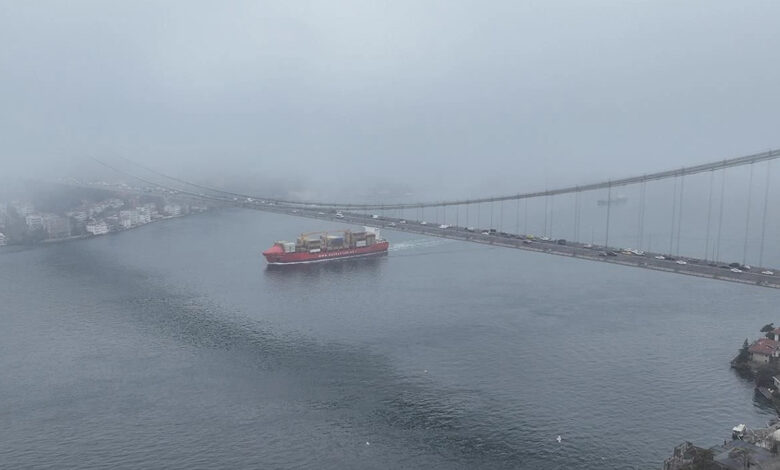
(419, 243)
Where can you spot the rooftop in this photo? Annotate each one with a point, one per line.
(764, 346)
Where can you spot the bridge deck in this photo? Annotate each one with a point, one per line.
(694, 267)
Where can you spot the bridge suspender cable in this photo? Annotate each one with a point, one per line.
(501, 217)
(763, 218)
(680, 212)
(576, 234)
(641, 222)
(720, 217)
(525, 218)
(747, 216)
(609, 205)
(709, 218)
(674, 217)
(552, 213)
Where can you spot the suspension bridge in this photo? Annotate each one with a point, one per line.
(728, 234)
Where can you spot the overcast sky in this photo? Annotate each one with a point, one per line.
(472, 97)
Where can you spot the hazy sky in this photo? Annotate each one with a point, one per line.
(474, 97)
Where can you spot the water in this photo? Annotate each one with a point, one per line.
(173, 346)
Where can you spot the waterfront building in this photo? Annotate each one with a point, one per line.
(115, 203)
(23, 208)
(776, 334)
(113, 223)
(97, 209)
(172, 209)
(79, 215)
(34, 222)
(129, 218)
(144, 215)
(56, 226)
(764, 350)
(97, 227)
(3, 214)
(755, 449)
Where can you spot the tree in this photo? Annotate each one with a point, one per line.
(767, 328)
(743, 355)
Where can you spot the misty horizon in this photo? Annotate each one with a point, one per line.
(451, 99)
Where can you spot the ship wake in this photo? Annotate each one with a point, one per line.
(419, 243)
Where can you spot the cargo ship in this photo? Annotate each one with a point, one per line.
(316, 247)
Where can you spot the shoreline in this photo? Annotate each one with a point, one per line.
(50, 241)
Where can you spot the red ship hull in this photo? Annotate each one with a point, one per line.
(276, 255)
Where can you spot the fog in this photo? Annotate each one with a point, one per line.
(437, 99)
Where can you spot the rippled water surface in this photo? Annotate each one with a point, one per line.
(174, 346)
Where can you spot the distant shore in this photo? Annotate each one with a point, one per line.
(89, 235)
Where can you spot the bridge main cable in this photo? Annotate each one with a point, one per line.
(684, 171)
(679, 172)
